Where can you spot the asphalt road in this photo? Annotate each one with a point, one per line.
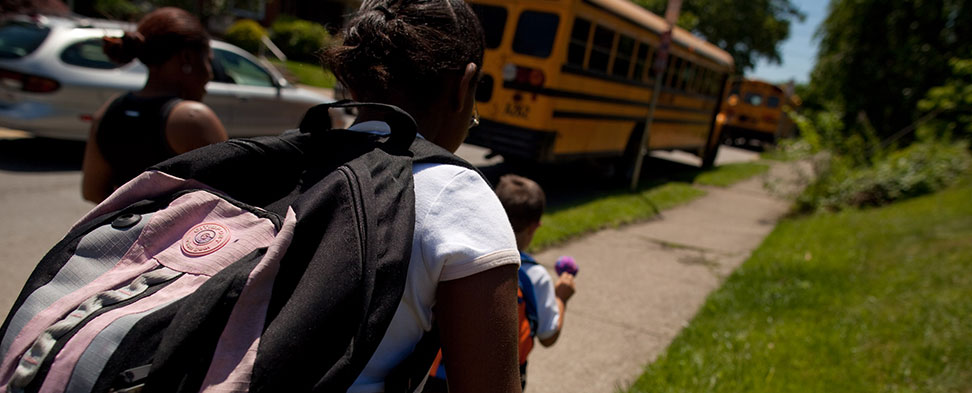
(40, 196)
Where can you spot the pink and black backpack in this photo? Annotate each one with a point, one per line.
(268, 264)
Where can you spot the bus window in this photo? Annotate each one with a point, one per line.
(773, 102)
(639, 67)
(622, 61)
(699, 80)
(706, 82)
(493, 19)
(535, 33)
(650, 64)
(601, 50)
(753, 99)
(688, 72)
(674, 66)
(578, 42)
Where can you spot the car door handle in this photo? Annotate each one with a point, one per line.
(243, 98)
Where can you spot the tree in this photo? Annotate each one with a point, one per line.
(749, 30)
(878, 58)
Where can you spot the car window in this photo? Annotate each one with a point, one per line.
(19, 39)
(233, 68)
(87, 53)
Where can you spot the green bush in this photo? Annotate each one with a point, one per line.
(299, 39)
(246, 34)
(919, 169)
(950, 105)
(118, 9)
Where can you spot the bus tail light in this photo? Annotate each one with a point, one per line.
(523, 75)
(769, 119)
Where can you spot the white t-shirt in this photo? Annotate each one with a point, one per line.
(548, 314)
(460, 229)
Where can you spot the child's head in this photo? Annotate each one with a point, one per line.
(524, 201)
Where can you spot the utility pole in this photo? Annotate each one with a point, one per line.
(661, 62)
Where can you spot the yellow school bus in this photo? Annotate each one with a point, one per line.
(566, 79)
(753, 112)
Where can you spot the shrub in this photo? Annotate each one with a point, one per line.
(246, 34)
(118, 9)
(921, 168)
(950, 106)
(299, 39)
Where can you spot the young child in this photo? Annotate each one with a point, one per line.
(541, 301)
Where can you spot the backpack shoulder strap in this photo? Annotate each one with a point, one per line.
(425, 152)
(529, 294)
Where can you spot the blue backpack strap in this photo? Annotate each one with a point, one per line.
(529, 294)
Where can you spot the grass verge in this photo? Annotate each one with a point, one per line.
(610, 210)
(874, 300)
(727, 175)
(309, 74)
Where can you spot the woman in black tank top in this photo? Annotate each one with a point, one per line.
(139, 129)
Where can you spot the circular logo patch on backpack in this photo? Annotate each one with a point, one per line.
(204, 239)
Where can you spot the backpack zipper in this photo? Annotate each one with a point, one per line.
(358, 208)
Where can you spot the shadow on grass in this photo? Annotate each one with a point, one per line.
(40, 155)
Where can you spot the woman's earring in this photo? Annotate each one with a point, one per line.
(186, 69)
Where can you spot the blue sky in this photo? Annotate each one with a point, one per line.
(799, 51)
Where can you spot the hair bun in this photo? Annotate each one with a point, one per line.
(389, 15)
(124, 49)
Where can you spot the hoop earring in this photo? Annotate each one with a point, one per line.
(186, 69)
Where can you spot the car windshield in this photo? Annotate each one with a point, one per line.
(19, 39)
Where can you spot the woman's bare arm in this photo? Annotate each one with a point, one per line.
(477, 316)
(192, 125)
(95, 170)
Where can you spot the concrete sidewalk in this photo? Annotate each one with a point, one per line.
(638, 286)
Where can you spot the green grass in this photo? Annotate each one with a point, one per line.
(610, 210)
(310, 74)
(727, 175)
(876, 300)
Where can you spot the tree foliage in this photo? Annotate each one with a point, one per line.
(749, 30)
(949, 107)
(878, 58)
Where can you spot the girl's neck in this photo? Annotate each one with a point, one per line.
(159, 86)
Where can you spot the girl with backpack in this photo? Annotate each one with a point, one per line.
(425, 57)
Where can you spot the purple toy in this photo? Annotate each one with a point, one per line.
(566, 264)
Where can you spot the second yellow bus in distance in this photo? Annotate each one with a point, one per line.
(568, 79)
(754, 113)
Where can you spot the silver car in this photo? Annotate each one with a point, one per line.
(54, 76)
